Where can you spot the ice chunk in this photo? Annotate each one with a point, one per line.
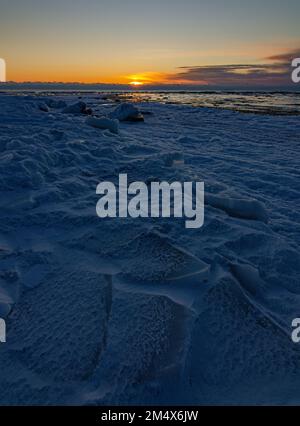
(43, 107)
(6, 303)
(77, 108)
(54, 103)
(237, 207)
(103, 123)
(126, 112)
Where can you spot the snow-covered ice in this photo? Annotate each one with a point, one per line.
(145, 311)
(126, 112)
(76, 108)
(103, 123)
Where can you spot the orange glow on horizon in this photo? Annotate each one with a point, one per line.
(144, 78)
(82, 75)
(50, 67)
(136, 83)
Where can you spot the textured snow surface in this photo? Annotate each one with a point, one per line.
(140, 311)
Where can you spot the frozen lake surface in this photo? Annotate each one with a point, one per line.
(145, 311)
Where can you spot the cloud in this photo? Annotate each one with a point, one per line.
(274, 72)
(286, 57)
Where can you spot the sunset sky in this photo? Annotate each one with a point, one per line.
(157, 41)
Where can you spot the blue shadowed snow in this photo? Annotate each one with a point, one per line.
(140, 311)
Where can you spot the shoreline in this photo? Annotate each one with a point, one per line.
(263, 103)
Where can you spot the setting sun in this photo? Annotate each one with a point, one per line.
(136, 83)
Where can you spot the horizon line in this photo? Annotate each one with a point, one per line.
(146, 86)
